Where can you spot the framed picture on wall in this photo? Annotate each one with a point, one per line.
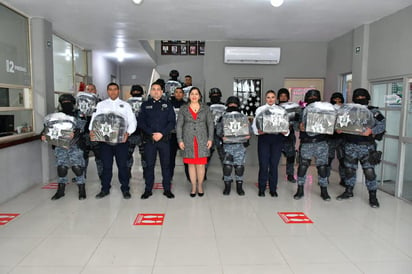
(182, 47)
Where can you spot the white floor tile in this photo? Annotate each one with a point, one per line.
(46, 270)
(326, 268)
(62, 251)
(15, 249)
(187, 270)
(187, 251)
(385, 267)
(117, 270)
(253, 269)
(125, 252)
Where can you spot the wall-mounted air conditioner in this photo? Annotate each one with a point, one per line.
(252, 55)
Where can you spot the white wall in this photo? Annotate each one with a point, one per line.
(102, 69)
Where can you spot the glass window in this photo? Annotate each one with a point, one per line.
(409, 111)
(63, 65)
(16, 113)
(80, 61)
(391, 153)
(347, 87)
(378, 95)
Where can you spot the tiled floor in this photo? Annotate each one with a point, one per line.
(210, 234)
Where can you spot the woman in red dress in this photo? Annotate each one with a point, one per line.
(194, 133)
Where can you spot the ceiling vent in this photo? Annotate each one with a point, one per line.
(252, 55)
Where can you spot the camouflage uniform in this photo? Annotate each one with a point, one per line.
(235, 155)
(336, 146)
(73, 156)
(319, 150)
(290, 152)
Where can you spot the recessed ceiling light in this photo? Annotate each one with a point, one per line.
(276, 3)
(137, 2)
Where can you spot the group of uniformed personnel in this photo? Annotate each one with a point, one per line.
(150, 125)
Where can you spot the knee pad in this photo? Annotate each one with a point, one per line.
(227, 170)
(323, 171)
(62, 171)
(78, 170)
(350, 172)
(239, 170)
(303, 167)
(369, 174)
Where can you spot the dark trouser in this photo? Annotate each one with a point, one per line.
(173, 151)
(120, 152)
(269, 151)
(150, 150)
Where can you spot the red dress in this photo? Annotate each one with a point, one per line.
(196, 160)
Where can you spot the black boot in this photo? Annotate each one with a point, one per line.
(291, 178)
(373, 201)
(324, 193)
(60, 192)
(299, 193)
(347, 194)
(228, 185)
(82, 191)
(239, 188)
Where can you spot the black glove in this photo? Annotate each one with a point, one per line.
(246, 144)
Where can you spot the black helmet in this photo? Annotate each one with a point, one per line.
(215, 92)
(283, 91)
(136, 89)
(233, 100)
(312, 93)
(66, 97)
(174, 74)
(336, 95)
(361, 92)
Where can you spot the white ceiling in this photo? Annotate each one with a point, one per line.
(101, 24)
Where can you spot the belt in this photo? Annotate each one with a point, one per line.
(312, 140)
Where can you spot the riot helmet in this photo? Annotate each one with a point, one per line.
(312, 95)
(361, 92)
(136, 91)
(283, 91)
(337, 95)
(174, 74)
(67, 102)
(215, 94)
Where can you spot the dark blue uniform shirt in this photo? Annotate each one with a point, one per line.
(156, 116)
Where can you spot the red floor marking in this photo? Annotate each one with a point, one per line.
(149, 219)
(50, 186)
(5, 218)
(295, 218)
(159, 186)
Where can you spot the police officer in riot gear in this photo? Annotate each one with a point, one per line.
(289, 144)
(336, 141)
(362, 148)
(215, 96)
(312, 145)
(134, 139)
(235, 153)
(72, 156)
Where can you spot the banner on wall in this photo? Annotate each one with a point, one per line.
(298, 94)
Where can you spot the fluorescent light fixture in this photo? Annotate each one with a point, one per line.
(120, 54)
(276, 3)
(137, 2)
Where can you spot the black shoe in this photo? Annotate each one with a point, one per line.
(126, 195)
(146, 194)
(348, 193)
(261, 193)
(239, 188)
(373, 200)
(299, 193)
(228, 185)
(291, 178)
(192, 195)
(324, 193)
(169, 194)
(273, 194)
(82, 191)
(200, 194)
(102, 194)
(59, 192)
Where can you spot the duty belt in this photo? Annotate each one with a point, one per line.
(315, 140)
